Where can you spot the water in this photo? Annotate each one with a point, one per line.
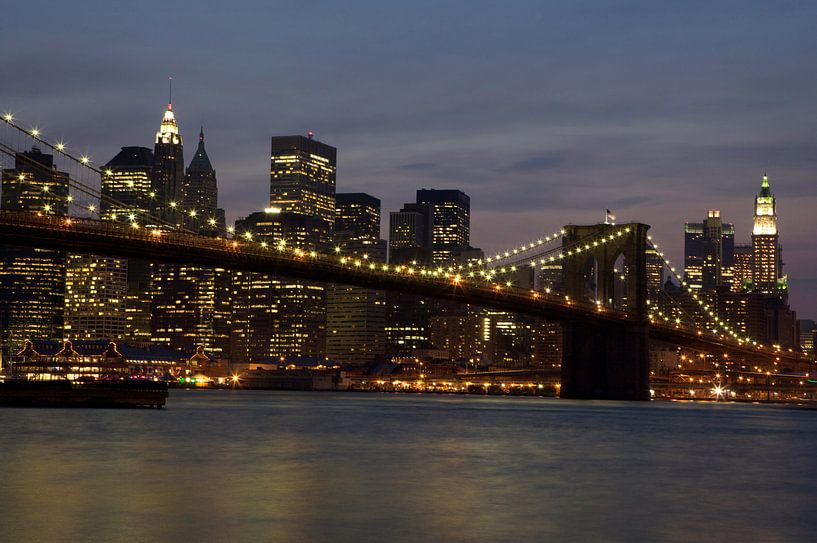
(275, 466)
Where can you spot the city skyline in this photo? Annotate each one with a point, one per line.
(538, 131)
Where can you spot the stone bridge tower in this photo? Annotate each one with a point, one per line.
(607, 360)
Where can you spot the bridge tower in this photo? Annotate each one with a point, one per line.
(607, 360)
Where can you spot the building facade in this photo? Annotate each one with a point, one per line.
(356, 317)
(32, 281)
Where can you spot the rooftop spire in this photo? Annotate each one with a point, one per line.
(170, 94)
(200, 162)
(169, 130)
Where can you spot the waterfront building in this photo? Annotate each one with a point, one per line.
(709, 252)
(766, 253)
(95, 289)
(275, 316)
(356, 317)
(302, 177)
(127, 190)
(32, 281)
(189, 304)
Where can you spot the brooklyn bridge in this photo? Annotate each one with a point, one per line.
(609, 316)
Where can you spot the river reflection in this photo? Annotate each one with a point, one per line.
(269, 466)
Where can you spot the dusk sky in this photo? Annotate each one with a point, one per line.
(543, 114)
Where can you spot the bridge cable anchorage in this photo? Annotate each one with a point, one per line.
(730, 333)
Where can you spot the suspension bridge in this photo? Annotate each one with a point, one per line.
(607, 329)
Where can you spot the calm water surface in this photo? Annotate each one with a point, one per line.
(276, 466)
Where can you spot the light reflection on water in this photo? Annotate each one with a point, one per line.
(268, 466)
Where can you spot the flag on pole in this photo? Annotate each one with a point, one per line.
(609, 218)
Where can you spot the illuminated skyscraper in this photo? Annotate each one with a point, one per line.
(709, 252)
(95, 289)
(450, 223)
(167, 180)
(126, 191)
(32, 281)
(126, 183)
(302, 177)
(742, 268)
(766, 266)
(356, 317)
(275, 316)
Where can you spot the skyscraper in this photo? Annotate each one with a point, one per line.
(742, 268)
(709, 252)
(450, 223)
(201, 192)
(434, 230)
(188, 305)
(302, 176)
(32, 281)
(127, 189)
(356, 317)
(167, 179)
(275, 316)
(766, 254)
(95, 289)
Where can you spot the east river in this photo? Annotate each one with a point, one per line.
(278, 466)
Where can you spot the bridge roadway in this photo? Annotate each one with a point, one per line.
(111, 239)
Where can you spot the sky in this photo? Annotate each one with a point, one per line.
(545, 113)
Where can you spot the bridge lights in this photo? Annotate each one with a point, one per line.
(35, 132)
(8, 117)
(85, 160)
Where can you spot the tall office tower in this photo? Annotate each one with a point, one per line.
(126, 191)
(189, 304)
(32, 281)
(302, 177)
(766, 254)
(167, 179)
(126, 183)
(709, 249)
(409, 233)
(742, 268)
(201, 192)
(273, 316)
(95, 290)
(356, 317)
(407, 317)
(189, 307)
(450, 223)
